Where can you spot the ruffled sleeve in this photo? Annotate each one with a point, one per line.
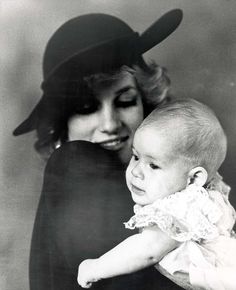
(186, 215)
(219, 193)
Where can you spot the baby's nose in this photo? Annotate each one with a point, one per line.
(137, 171)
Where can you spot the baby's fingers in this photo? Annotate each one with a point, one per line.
(85, 276)
(88, 285)
(85, 284)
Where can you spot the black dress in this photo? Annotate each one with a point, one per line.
(82, 208)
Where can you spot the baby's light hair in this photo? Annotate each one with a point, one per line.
(196, 131)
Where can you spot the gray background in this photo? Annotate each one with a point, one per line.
(200, 58)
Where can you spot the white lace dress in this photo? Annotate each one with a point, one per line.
(202, 221)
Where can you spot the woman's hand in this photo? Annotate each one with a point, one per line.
(86, 273)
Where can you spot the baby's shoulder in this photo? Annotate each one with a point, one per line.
(186, 215)
(191, 201)
(194, 214)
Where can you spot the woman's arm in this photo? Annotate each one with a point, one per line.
(135, 253)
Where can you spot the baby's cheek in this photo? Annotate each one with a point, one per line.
(128, 176)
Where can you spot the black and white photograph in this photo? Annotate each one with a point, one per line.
(118, 145)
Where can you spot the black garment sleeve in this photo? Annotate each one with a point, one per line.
(83, 205)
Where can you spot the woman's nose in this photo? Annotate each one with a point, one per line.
(110, 120)
(137, 171)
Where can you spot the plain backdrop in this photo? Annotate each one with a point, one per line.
(200, 58)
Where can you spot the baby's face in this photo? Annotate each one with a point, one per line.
(154, 171)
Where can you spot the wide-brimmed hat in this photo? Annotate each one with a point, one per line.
(96, 43)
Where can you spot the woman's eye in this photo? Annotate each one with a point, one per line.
(127, 97)
(154, 166)
(126, 104)
(86, 109)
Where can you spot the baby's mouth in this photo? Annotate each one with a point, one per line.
(137, 190)
(114, 144)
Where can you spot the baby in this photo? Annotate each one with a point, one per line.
(181, 207)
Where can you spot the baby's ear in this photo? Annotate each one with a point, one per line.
(198, 176)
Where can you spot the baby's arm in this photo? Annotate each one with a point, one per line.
(136, 252)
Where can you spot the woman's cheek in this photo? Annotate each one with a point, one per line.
(139, 114)
(133, 117)
(79, 128)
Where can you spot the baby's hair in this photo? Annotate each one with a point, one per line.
(196, 131)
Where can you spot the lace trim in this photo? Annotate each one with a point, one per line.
(218, 184)
(186, 215)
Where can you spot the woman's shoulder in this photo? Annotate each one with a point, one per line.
(80, 168)
(82, 155)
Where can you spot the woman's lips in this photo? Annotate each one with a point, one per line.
(114, 144)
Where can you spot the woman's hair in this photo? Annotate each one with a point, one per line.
(63, 93)
(195, 131)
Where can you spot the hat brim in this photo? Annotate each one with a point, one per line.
(108, 55)
(118, 51)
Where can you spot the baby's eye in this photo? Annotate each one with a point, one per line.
(154, 166)
(135, 157)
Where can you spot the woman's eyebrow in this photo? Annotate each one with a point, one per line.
(125, 89)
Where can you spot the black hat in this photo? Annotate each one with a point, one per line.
(96, 42)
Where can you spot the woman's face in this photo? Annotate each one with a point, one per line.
(111, 117)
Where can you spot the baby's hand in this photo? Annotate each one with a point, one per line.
(86, 273)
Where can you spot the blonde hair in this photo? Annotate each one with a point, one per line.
(151, 80)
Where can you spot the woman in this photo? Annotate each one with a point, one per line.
(96, 88)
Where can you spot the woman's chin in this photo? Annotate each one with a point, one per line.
(123, 151)
(124, 155)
